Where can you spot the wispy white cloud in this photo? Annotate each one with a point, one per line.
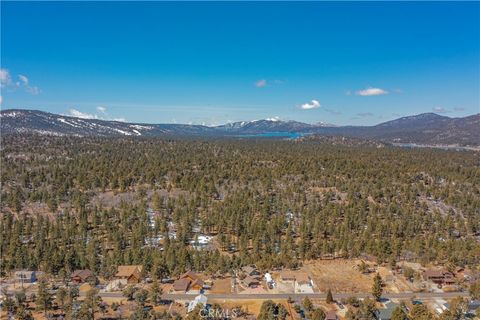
(1, 100)
(439, 110)
(5, 78)
(23, 79)
(261, 83)
(22, 82)
(104, 115)
(332, 111)
(102, 109)
(311, 105)
(78, 114)
(33, 90)
(365, 114)
(268, 82)
(371, 92)
(459, 109)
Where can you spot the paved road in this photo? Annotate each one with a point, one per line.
(300, 296)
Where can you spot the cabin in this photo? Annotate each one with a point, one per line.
(188, 281)
(82, 276)
(26, 276)
(251, 282)
(439, 277)
(181, 285)
(251, 271)
(197, 285)
(304, 283)
(133, 273)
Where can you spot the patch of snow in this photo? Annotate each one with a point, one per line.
(11, 114)
(126, 133)
(274, 119)
(139, 127)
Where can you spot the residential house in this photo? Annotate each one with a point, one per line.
(439, 276)
(287, 276)
(189, 281)
(251, 271)
(303, 283)
(133, 274)
(181, 285)
(26, 276)
(82, 276)
(202, 242)
(251, 282)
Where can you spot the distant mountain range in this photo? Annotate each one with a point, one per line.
(426, 128)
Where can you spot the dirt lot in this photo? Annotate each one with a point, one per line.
(221, 286)
(338, 275)
(394, 283)
(250, 306)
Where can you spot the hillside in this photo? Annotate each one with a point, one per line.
(427, 128)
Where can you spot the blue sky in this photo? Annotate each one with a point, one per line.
(342, 63)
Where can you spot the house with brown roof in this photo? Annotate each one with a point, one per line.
(82, 276)
(133, 274)
(303, 283)
(251, 282)
(287, 276)
(181, 285)
(189, 281)
(190, 275)
(439, 276)
(251, 271)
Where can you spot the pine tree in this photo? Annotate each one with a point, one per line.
(307, 304)
(399, 314)
(155, 292)
(318, 314)
(420, 312)
(329, 296)
(377, 288)
(44, 297)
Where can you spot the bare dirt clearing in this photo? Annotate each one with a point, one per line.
(338, 275)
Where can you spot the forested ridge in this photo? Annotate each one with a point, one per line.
(272, 203)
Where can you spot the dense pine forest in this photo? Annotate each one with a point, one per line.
(269, 202)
